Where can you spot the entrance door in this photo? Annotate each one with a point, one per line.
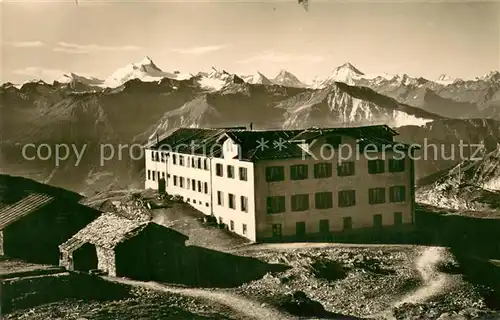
(300, 229)
(161, 185)
(85, 258)
(324, 226)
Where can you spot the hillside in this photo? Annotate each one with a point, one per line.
(472, 185)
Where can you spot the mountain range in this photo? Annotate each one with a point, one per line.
(141, 101)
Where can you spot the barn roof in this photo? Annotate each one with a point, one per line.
(265, 144)
(108, 231)
(13, 212)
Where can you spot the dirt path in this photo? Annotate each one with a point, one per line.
(246, 308)
(434, 281)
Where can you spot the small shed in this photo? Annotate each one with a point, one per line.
(125, 248)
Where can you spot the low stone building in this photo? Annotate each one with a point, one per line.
(125, 248)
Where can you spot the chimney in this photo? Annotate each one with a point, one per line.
(251, 126)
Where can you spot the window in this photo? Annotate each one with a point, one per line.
(231, 225)
(205, 164)
(377, 220)
(181, 160)
(345, 169)
(163, 175)
(324, 226)
(188, 183)
(276, 230)
(152, 156)
(300, 229)
(149, 174)
(181, 182)
(300, 202)
(376, 166)
(347, 198)
(376, 195)
(275, 174)
(322, 170)
(298, 172)
(243, 174)
(347, 223)
(244, 203)
(397, 194)
(158, 173)
(334, 141)
(199, 186)
(193, 184)
(244, 229)
(398, 218)
(157, 156)
(276, 204)
(323, 200)
(206, 188)
(206, 204)
(230, 172)
(175, 180)
(193, 163)
(153, 175)
(162, 157)
(396, 165)
(220, 198)
(199, 163)
(218, 170)
(232, 203)
(174, 159)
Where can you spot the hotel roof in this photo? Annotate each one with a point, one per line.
(265, 144)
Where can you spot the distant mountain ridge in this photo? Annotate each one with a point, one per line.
(445, 96)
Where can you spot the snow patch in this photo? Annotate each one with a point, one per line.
(212, 83)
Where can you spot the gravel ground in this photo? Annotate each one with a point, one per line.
(368, 282)
(144, 304)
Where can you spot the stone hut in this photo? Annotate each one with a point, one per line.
(125, 248)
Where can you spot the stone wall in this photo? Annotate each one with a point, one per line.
(106, 258)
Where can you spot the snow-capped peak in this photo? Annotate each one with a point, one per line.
(286, 78)
(219, 74)
(445, 79)
(84, 79)
(257, 78)
(144, 70)
(346, 73)
(491, 76)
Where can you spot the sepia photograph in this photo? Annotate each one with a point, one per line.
(249, 159)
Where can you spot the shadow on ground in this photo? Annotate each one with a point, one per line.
(202, 267)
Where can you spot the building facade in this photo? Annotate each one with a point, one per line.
(290, 184)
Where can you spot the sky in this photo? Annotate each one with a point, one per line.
(43, 39)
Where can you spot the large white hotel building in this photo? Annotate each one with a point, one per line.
(289, 184)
